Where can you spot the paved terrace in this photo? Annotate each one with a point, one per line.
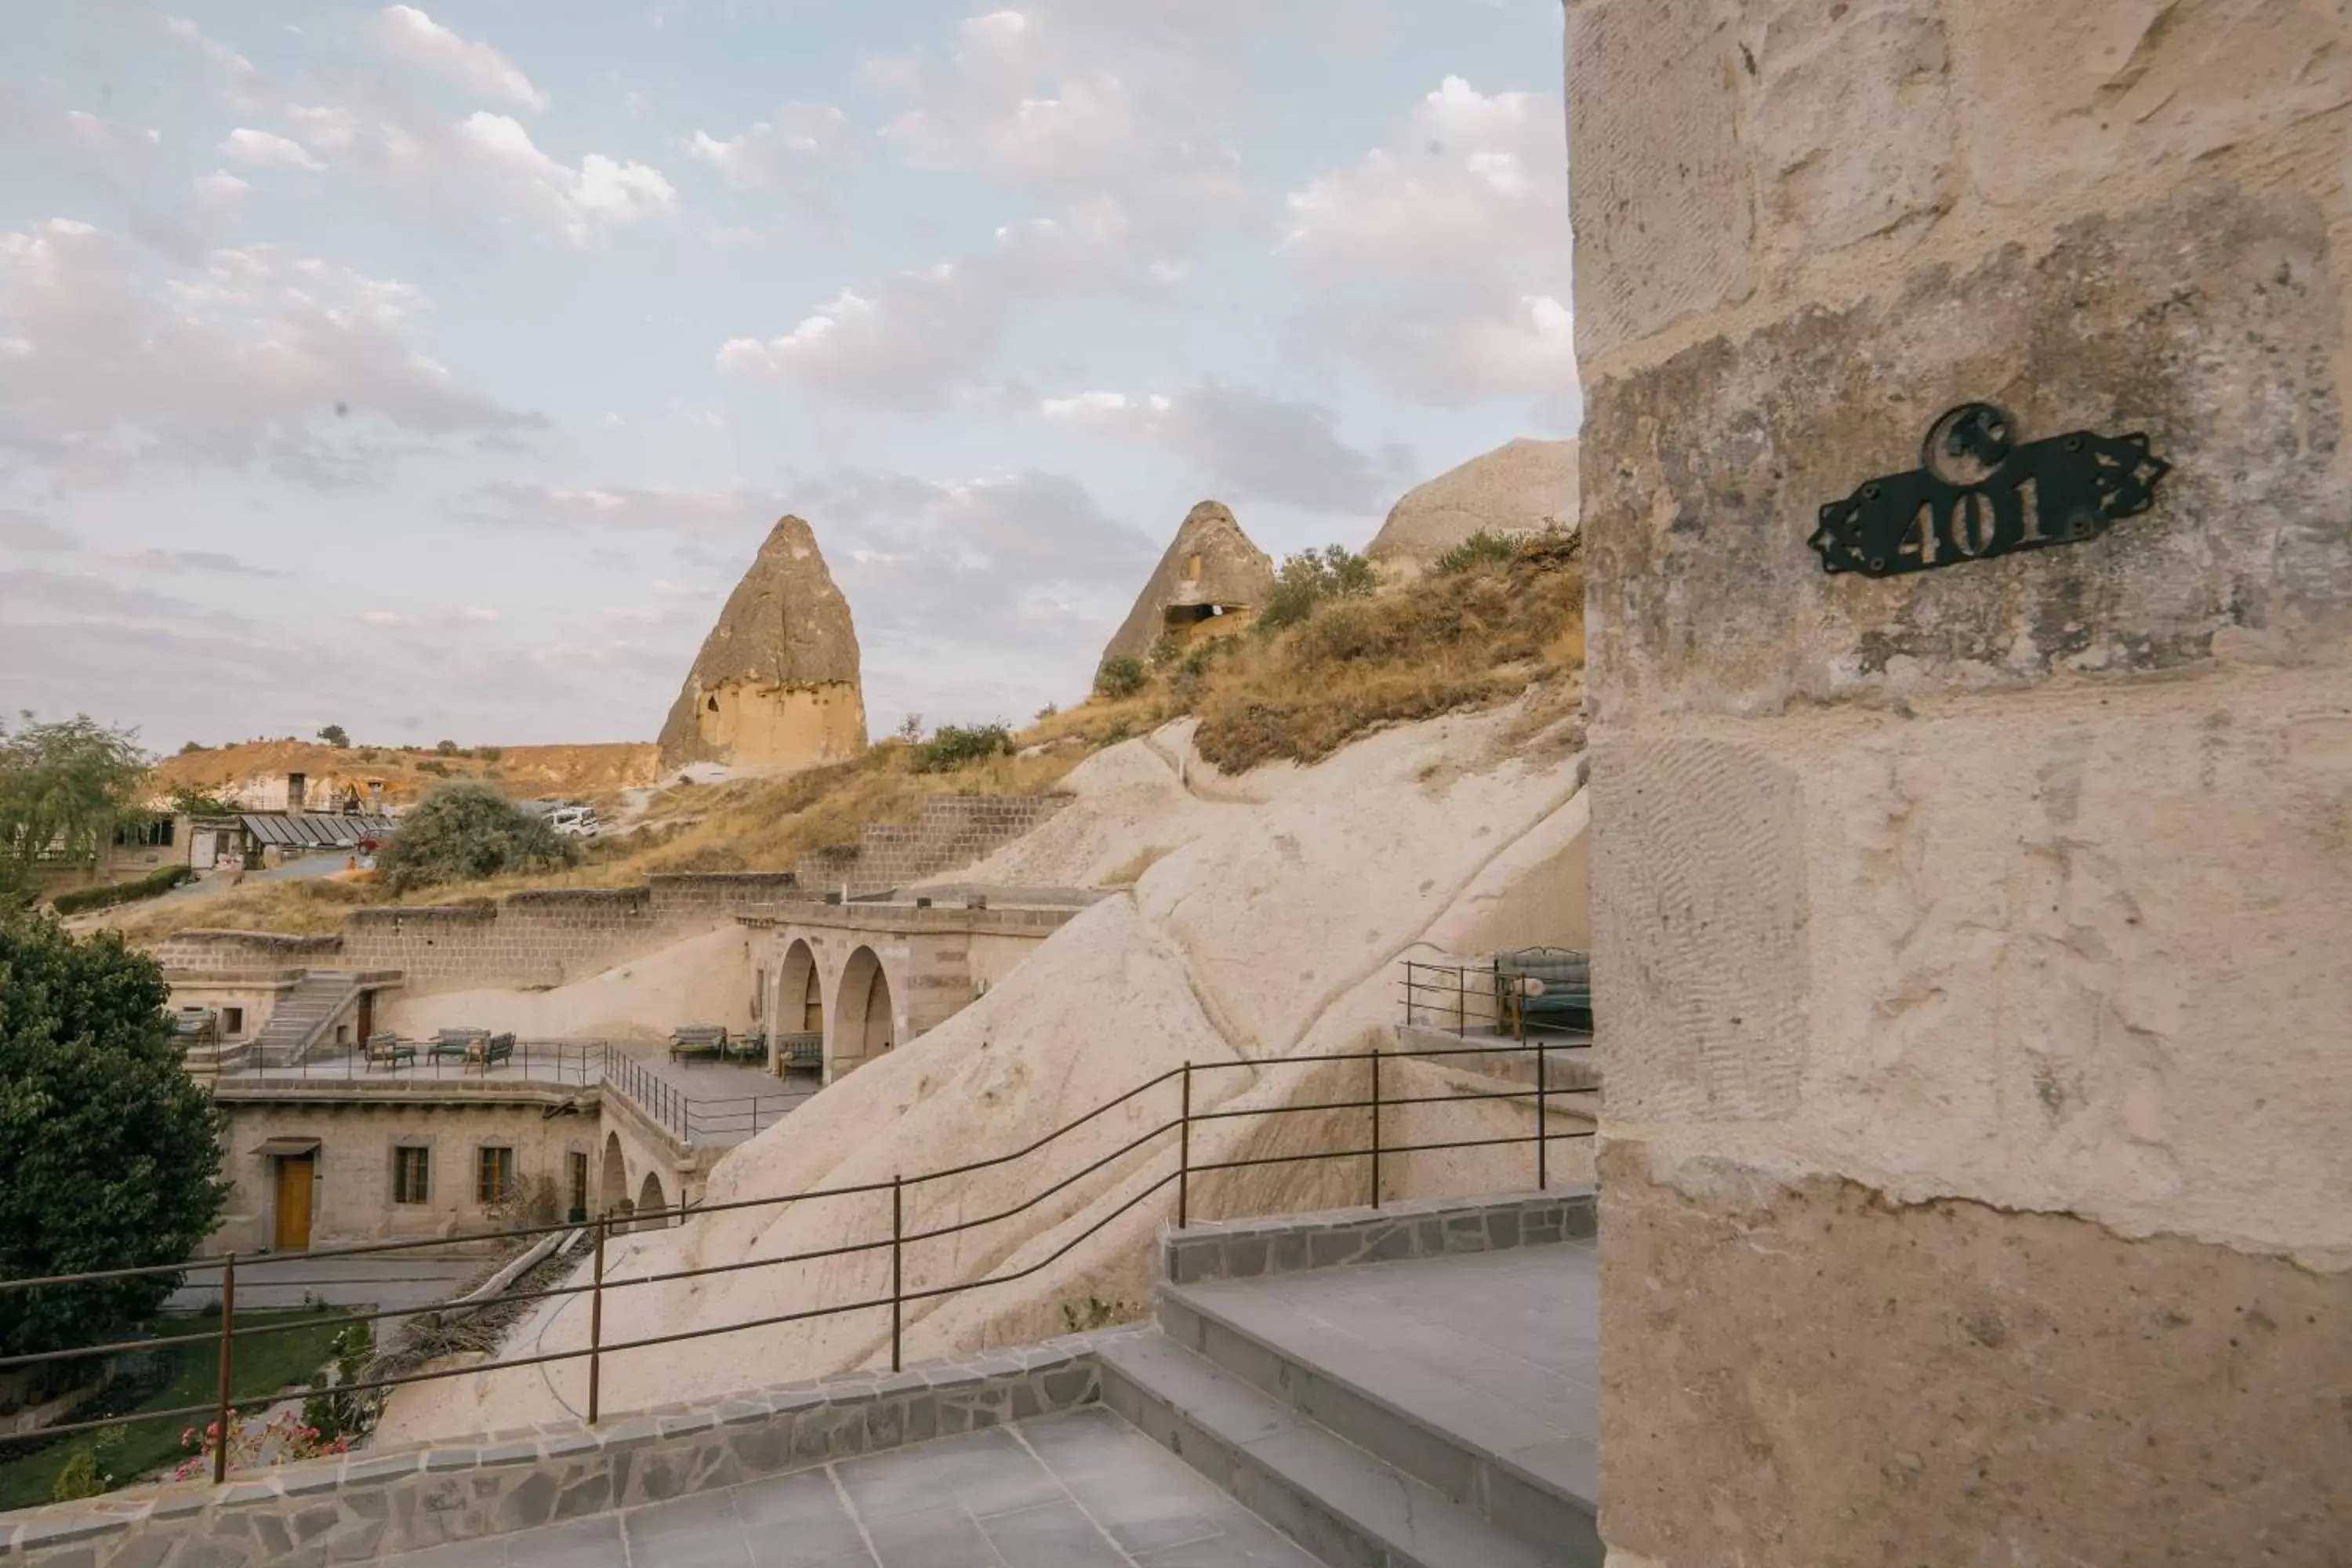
(731, 1101)
(1082, 1489)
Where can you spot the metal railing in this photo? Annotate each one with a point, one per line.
(1469, 998)
(1174, 1133)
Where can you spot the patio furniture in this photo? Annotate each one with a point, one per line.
(455, 1044)
(197, 1026)
(698, 1042)
(388, 1050)
(752, 1046)
(495, 1049)
(1543, 987)
(801, 1049)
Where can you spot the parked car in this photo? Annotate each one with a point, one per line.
(574, 821)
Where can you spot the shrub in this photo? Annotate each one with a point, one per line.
(336, 736)
(192, 747)
(446, 748)
(1481, 549)
(953, 745)
(1121, 677)
(464, 832)
(490, 754)
(1312, 577)
(80, 1478)
(344, 1415)
(82, 899)
(1166, 649)
(1047, 712)
(438, 770)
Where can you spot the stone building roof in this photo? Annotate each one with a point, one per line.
(1514, 488)
(1231, 572)
(785, 625)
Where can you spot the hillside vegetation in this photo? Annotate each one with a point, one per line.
(1336, 659)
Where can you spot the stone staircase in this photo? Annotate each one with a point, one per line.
(303, 1017)
(1378, 1394)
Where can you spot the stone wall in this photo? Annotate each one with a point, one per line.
(544, 938)
(1968, 941)
(947, 833)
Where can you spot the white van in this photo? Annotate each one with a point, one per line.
(574, 821)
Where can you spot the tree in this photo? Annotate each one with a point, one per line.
(1310, 578)
(462, 832)
(113, 1153)
(336, 736)
(63, 786)
(192, 800)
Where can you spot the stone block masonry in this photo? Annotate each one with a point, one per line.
(947, 833)
(547, 937)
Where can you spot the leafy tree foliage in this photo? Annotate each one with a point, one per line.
(952, 745)
(63, 786)
(462, 832)
(189, 800)
(113, 1153)
(1121, 677)
(1311, 578)
(335, 735)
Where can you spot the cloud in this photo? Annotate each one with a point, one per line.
(247, 89)
(782, 155)
(151, 558)
(584, 204)
(1082, 104)
(22, 530)
(125, 164)
(267, 150)
(905, 342)
(1441, 261)
(1247, 444)
(219, 195)
(260, 355)
(519, 505)
(408, 34)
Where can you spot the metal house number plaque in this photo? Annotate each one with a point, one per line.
(1978, 492)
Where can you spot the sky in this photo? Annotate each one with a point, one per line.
(437, 371)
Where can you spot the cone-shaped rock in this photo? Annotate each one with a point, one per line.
(775, 686)
(1514, 488)
(1211, 573)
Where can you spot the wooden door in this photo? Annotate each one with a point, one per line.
(294, 1204)
(367, 1015)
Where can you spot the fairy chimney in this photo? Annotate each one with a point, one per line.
(1207, 582)
(775, 687)
(1518, 488)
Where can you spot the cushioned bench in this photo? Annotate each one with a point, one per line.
(454, 1044)
(800, 1050)
(690, 1042)
(1543, 986)
(388, 1050)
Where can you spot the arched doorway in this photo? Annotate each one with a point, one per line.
(613, 1181)
(800, 1002)
(862, 1027)
(650, 1199)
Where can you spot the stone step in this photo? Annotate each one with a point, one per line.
(1347, 1507)
(1437, 1443)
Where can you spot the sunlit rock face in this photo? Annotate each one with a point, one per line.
(775, 687)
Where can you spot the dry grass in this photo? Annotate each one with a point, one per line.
(1467, 640)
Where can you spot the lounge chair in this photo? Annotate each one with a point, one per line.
(1543, 987)
(389, 1050)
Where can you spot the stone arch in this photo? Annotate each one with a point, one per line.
(613, 1181)
(649, 1200)
(800, 991)
(862, 1024)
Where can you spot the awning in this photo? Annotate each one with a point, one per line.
(291, 1148)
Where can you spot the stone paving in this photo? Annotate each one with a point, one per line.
(1501, 1350)
(1077, 1490)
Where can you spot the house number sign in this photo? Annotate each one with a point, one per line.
(1979, 492)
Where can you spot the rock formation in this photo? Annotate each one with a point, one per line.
(775, 686)
(1518, 486)
(1211, 573)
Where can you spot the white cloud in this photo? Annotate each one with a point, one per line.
(1080, 103)
(902, 343)
(781, 154)
(22, 530)
(260, 355)
(490, 161)
(1441, 261)
(219, 195)
(410, 35)
(267, 150)
(247, 89)
(1245, 443)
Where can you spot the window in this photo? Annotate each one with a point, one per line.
(297, 786)
(151, 835)
(578, 1164)
(412, 1176)
(232, 1021)
(494, 1178)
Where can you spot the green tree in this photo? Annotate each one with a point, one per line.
(1311, 577)
(112, 1151)
(464, 832)
(1123, 676)
(335, 735)
(63, 787)
(191, 800)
